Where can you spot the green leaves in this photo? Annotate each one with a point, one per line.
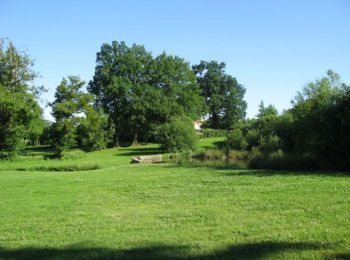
(69, 98)
(222, 93)
(18, 106)
(177, 135)
(139, 91)
(77, 123)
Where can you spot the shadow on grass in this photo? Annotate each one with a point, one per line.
(217, 144)
(63, 168)
(47, 152)
(242, 251)
(267, 173)
(237, 170)
(340, 256)
(139, 151)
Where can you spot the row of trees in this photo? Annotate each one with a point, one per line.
(135, 96)
(140, 92)
(314, 133)
(132, 97)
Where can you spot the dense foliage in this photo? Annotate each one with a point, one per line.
(77, 123)
(140, 92)
(177, 135)
(135, 96)
(313, 134)
(223, 95)
(321, 125)
(20, 113)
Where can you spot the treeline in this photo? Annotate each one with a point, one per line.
(137, 97)
(20, 115)
(133, 97)
(313, 134)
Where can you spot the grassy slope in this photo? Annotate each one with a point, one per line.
(211, 142)
(153, 211)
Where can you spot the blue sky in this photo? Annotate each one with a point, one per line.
(272, 47)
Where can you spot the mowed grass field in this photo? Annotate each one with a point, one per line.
(129, 211)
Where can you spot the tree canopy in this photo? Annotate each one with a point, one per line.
(223, 94)
(77, 123)
(20, 113)
(139, 91)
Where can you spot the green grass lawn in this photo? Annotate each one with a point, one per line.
(211, 142)
(123, 210)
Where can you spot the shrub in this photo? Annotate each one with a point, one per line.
(236, 140)
(210, 154)
(72, 155)
(252, 138)
(269, 144)
(64, 136)
(177, 135)
(281, 161)
(11, 142)
(63, 168)
(93, 133)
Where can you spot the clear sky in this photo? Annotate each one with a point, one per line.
(272, 47)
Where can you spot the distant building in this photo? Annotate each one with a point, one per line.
(197, 124)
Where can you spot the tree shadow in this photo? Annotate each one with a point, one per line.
(216, 144)
(139, 151)
(256, 250)
(153, 252)
(238, 170)
(46, 152)
(340, 256)
(269, 173)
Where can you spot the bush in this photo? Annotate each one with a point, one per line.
(269, 144)
(11, 142)
(93, 133)
(210, 154)
(236, 140)
(64, 168)
(177, 135)
(281, 161)
(252, 138)
(64, 136)
(72, 155)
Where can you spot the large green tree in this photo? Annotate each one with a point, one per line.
(140, 92)
(19, 109)
(68, 104)
(77, 123)
(121, 75)
(314, 133)
(223, 94)
(321, 120)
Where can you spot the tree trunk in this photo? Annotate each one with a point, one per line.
(135, 142)
(115, 140)
(215, 121)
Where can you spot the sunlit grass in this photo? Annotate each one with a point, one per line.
(166, 210)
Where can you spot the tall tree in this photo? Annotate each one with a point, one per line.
(139, 91)
(70, 102)
(321, 114)
(120, 73)
(223, 94)
(93, 132)
(173, 76)
(234, 108)
(18, 104)
(266, 118)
